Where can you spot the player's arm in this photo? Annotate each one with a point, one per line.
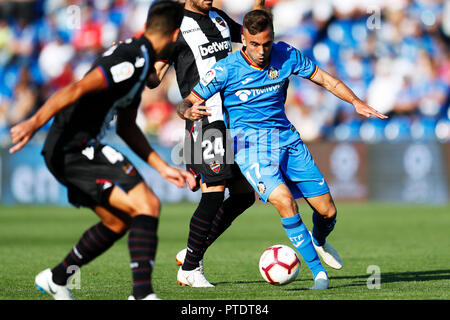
(155, 78)
(340, 90)
(259, 5)
(191, 108)
(24, 131)
(212, 82)
(160, 69)
(128, 130)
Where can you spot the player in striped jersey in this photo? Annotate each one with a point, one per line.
(206, 36)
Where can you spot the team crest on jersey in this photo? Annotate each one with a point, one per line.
(273, 73)
(220, 21)
(208, 77)
(262, 187)
(215, 166)
(129, 170)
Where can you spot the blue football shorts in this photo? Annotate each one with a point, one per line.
(292, 165)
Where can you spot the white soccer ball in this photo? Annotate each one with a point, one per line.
(279, 264)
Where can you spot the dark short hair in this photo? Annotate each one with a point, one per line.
(257, 21)
(164, 16)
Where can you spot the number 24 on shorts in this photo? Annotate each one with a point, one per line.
(209, 147)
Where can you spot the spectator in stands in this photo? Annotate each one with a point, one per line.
(24, 99)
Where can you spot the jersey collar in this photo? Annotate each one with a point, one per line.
(249, 61)
(149, 47)
(195, 15)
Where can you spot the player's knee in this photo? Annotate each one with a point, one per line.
(150, 206)
(285, 204)
(329, 213)
(153, 207)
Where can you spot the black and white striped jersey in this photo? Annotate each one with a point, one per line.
(126, 68)
(203, 40)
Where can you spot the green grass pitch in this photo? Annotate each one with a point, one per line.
(408, 244)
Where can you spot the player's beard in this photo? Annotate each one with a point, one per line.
(201, 6)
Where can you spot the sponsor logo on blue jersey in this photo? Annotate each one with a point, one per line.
(244, 95)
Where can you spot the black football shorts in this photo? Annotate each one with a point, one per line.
(91, 172)
(209, 153)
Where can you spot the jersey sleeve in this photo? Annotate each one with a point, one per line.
(212, 82)
(119, 71)
(301, 64)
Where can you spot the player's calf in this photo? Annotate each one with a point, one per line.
(94, 241)
(299, 236)
(142, 244)
(296, 230)
(323, 224)
(142, 205)
(199, 227)
(232, 208)
(324, 221)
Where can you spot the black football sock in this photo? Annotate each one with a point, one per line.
(230, 210)
(322, 228)
(199, 227)
(142, 243)
(93, 243)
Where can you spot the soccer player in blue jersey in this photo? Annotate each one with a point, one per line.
(269, 150)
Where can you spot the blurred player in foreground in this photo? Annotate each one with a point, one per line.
(98, 176)
(270, 152)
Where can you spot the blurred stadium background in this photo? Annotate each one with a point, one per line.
(393, 54)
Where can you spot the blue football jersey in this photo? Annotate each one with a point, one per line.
(254, 97)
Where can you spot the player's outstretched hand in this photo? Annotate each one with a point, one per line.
(190, 179)
(197, 111)
(179, 177)
(367, 111)
(21, 134)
